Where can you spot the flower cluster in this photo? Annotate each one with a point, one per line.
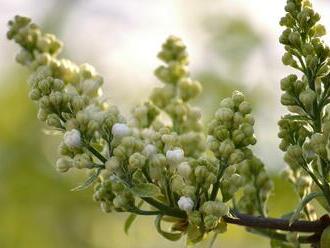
(231, 133)
(158, 161)
(305, 131)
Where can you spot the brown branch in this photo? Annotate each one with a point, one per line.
(279, 224)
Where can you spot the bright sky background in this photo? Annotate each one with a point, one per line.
(120, 38)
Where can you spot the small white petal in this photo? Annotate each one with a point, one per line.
(72, 138)
(185, 203)
(120, 130)
(174, 157)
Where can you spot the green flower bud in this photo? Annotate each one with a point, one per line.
(226, 148)
(35, 94)
(318, 143)
(224, 114)
(82, 161)
(54, 121)
(245, 107)
(319, 30)
(184, 170)
(177, 184)
(55, 99)
(294, 156)
(189, 89)
(236, 157)
(238, 136)
(295, 39)
(189, 191)
(195, 218)
(215, 208)
(287, 59)
(237, 97)
(158, 160)
(287, 82)
(201, 173)
(136, 161)
(307, 97)
(113, 164)
(287, 99)
(211, 222)
(227, 103)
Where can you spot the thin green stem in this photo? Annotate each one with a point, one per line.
(216, 185)
(166, 210)
(96, 153)
(136, 210)
(214, 238)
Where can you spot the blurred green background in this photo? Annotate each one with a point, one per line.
(231, 47)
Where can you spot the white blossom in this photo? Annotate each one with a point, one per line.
(185, 203)
(72, 138)
(120, 130)
(174, 157)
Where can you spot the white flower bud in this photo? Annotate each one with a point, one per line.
(120, 130)
(184, 169)
(72, 138)
(185, 203)
(175, 156)
(63, 165)
(149, 150)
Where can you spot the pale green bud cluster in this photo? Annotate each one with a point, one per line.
(304, 132)
(156, 162)
(67, 95)
(37, 47)
(173, 97)
(230, 134)
(257, 186)
(231, 128)
(212, 211)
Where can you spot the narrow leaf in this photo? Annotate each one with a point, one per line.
(130, 219)
(296, 117)
(54, 131)
(303, 203)
(146, 190)
(89, 181)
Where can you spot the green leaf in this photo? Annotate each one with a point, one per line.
(303, 203)
(167, 235)
(53, 131)
(296, 117)
(146, 190)
(89, 181)
(130, 219)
